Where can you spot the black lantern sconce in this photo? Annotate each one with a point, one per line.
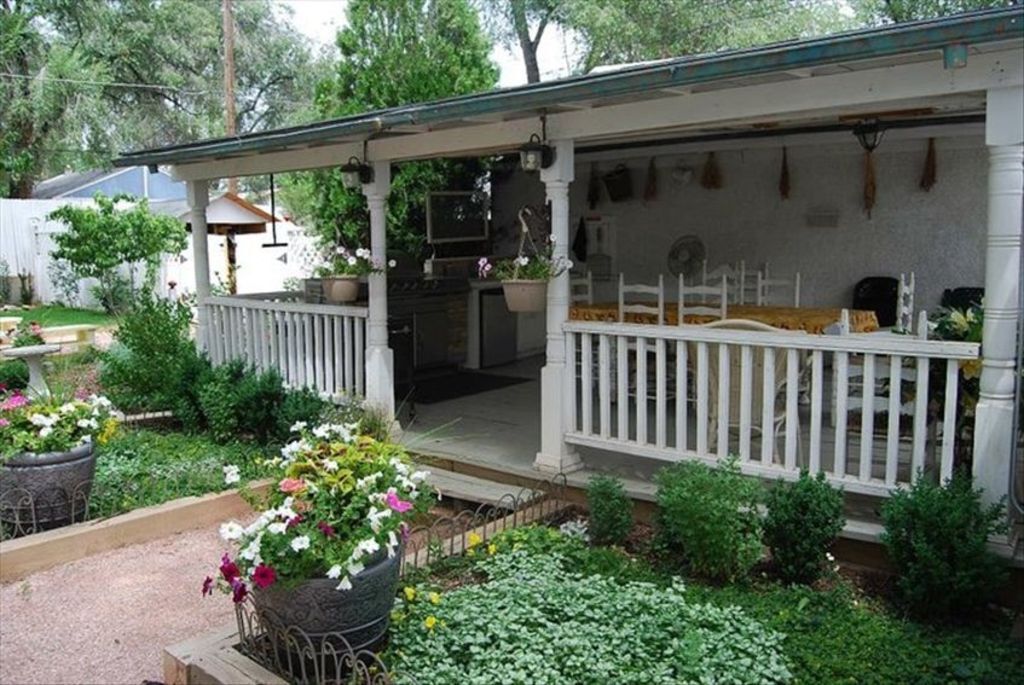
(355, 173)
(537, 154)
(869, 134)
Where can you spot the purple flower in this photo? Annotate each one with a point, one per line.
(396, 504)
(207, 586)
(294, 521)
(238, 591)
(229, 569)
(4, 423)
(326, 528)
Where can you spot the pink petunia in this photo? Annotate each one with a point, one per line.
(291, 485)
(15, 401)
(294, 521)
(238, 591)
(263, 576)
(326, 528)
(229, 569)
(399, 505)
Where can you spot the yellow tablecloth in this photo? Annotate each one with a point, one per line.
(810, 319)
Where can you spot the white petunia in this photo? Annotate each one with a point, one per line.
(252, 552)
(523, 261)
(392, 544)
(419, 476)
(363, 253)
(351, 261)
(330, 465)
(300, 543)
(45, 431)
(231, 531)
(278, 527)
(298, 426)
(355, 568)
(67, 408)
(365, 483)
(334, 571)
(392, 263)
(231, 474)
(88, 423)
(345, 584)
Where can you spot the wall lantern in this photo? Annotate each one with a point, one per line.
(535, 155)
(869, 134)
(354, 173)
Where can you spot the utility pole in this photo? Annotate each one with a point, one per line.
(229, 79)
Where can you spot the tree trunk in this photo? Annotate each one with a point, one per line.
(530, 58)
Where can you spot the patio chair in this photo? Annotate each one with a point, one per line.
(581, 289)
(712, 300)
(757, 384)
(766, 286)
(636, 298)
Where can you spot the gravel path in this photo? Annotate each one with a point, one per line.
(107, 618)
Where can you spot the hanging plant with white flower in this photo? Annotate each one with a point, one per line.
(338, 515)
(525, 277)
(342, 269)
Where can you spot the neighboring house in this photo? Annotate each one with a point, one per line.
(136, 181)
(764, 156)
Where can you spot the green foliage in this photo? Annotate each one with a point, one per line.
(102, 239)
(710, 514)
(396, 52)
(56, 315)
(13, 375)
(535, 620)
(5, 284)
(142, 468)
(898, 11)
(611, 510)
(804, 518)
(936, 537)
(143, 370)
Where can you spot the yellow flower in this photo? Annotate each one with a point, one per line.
(429, 622)
(959, 321)
(109, 431)
(410, 593)
(435, 598)
(492, 549)
(473, 540)
(971, 368)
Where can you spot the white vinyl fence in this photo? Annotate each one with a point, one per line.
(312, 345)
(774, 389)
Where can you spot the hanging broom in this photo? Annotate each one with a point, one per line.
(711, 177)
(784, 176)
(869, 182)
(928, 176)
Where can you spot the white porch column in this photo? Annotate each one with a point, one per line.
(198, 199)
(993, 433)
(555, 454)
(380, 388)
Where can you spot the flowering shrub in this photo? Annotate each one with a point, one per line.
(534, 621)
(358, 262)
(49, 425)
(26, 334)
(342, 500)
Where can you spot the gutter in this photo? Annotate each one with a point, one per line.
(971, 29)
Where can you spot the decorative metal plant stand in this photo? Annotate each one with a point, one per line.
(45, 491)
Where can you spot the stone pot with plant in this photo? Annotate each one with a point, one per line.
(524, 278)
(324, 554)
(47, 458)
(343, 269)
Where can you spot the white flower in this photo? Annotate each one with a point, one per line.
(419, 476)
(330, 465)
(569, 264)
(392, 263)
(300, 543)
(523, 260)
(42, 420)
(368, 546)
(231, 531)
(88, 423)
(552, 239)
(399, 466)
(355, 568)
(67, 408)
(351, 261)
(231, 474)
(365, 483)
(376, 518)
(252, 552)
(45, 431)
(298, 426)
(334, 571)
(289, 451)
(345, 584)
(392, 544)
(277, 527)
(828, 555)
(363, 253)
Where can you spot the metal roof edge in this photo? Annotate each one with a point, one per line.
(974, 28)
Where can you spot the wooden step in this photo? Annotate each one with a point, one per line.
(468, 488)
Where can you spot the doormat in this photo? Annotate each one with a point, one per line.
(459, 384)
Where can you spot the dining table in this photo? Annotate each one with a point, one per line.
(809, 319)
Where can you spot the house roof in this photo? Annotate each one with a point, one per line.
(71, 181)
(851, 51)
(227, 213)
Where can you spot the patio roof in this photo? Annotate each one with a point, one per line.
(836, 54)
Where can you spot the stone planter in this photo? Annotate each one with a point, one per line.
(341, 289)
(361, 615)
(45, 491)
(525, 296)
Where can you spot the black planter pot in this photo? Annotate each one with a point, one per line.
(45, 491)
(361, 616)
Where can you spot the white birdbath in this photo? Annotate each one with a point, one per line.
(33, 356)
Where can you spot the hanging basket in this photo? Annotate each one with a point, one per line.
(619, 184)
(525, 295)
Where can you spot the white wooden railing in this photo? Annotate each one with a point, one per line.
(677, 384)
(312, 345)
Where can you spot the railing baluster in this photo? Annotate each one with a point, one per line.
(817, 372)
(768, 407)
(294, 374)
(641, 390)
(892, 437)
(622, 387)
(702, 398)
(360, 355)
(309, 350)
(660, 412)
(722, 439)
(792, 397)
(746, 398)
(319, 358)
(350, 356)
(604, 385)
(573, 395)
(920, 418)
(867, 418)
(682, 420)
(949, 419)
(338, 355)
(841, 361)
(328, 354)
(587, 383)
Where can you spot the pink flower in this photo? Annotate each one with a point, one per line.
(15, 401)
(238, 591)
(401, 506)
(229, 569)
(263, 576)
(294, 521)
(208, 586)
(291, 485)
(326, 528)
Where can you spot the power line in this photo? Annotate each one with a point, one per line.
(106, 84)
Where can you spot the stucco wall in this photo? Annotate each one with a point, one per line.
(939, 234)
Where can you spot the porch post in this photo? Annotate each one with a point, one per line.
(993, 432)
(198, 199)
(555, 454)
(380, 389)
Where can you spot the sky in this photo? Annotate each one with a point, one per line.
(321, 19)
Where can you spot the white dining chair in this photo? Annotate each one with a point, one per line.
(702, 300)
(639, 298)
(767, 290)
(581, 289)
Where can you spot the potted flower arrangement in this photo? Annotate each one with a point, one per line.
(524, 278)
(47, 457)
(341, 273)
(323, 555)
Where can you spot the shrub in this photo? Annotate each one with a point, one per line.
(298, 405)
(13, 375)
(711, 515)
(936, 539)
(611, 510)
(803, 521)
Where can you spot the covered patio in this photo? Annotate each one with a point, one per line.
(629, 395)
